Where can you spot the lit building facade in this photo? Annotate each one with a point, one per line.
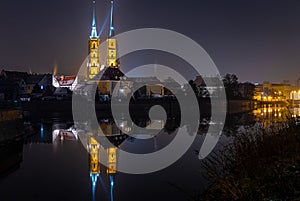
(94, 42)
(112, 42)
(268, 92)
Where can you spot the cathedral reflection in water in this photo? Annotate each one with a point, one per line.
(97, 149)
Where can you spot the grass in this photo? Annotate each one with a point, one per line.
(260, 164)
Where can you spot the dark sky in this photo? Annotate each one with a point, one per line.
(257, 40)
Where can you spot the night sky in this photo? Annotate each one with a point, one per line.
(257, 40)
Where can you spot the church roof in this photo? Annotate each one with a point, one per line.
(14, 75)
(109, 73)
(34, 79)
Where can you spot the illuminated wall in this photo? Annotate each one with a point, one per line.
(112, 53)
(276, 92)
(93, 65)
(154, 89)
(295, 95)
(104, 87)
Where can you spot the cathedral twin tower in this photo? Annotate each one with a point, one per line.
(94, 42)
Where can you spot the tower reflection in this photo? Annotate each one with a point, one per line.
(98, 149)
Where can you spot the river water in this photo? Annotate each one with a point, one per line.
(53, 164)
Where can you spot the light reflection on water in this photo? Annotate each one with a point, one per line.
(273, 114)
(56, 166)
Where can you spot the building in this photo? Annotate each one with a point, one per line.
(94, 41)
(94, 67)
(107, 81)
(41, 81)
(112, 42)
(32, 81)
(276, 92)
(8, 90)
(13, 75)
(62, 81)
(12, 84)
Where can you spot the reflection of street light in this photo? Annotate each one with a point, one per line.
(262, 94)
(293, 96)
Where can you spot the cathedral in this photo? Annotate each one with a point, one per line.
(94, 66)
(112, 72)
(104, 71)
(107, 81)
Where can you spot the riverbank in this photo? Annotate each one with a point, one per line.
(10, 114)
(138, 108)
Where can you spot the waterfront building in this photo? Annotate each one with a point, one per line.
(42, 81)
(12, 84)
(273, 92)
(62, 81)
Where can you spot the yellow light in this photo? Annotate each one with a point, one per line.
(269, 97)
(94, 156)
(112, 160)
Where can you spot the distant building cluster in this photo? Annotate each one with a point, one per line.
(22, 86)
(16, 86)
(93, 65)
(270, 92)
(265, 92)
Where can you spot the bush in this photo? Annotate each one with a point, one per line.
(260, 164)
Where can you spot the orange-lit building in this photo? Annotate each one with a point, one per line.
(268, 92)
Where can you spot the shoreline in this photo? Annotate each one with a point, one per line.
(137, 108)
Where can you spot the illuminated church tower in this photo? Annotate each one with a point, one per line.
(112, 42)
(94, 41)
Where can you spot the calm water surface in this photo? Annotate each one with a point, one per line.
(55, 165)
